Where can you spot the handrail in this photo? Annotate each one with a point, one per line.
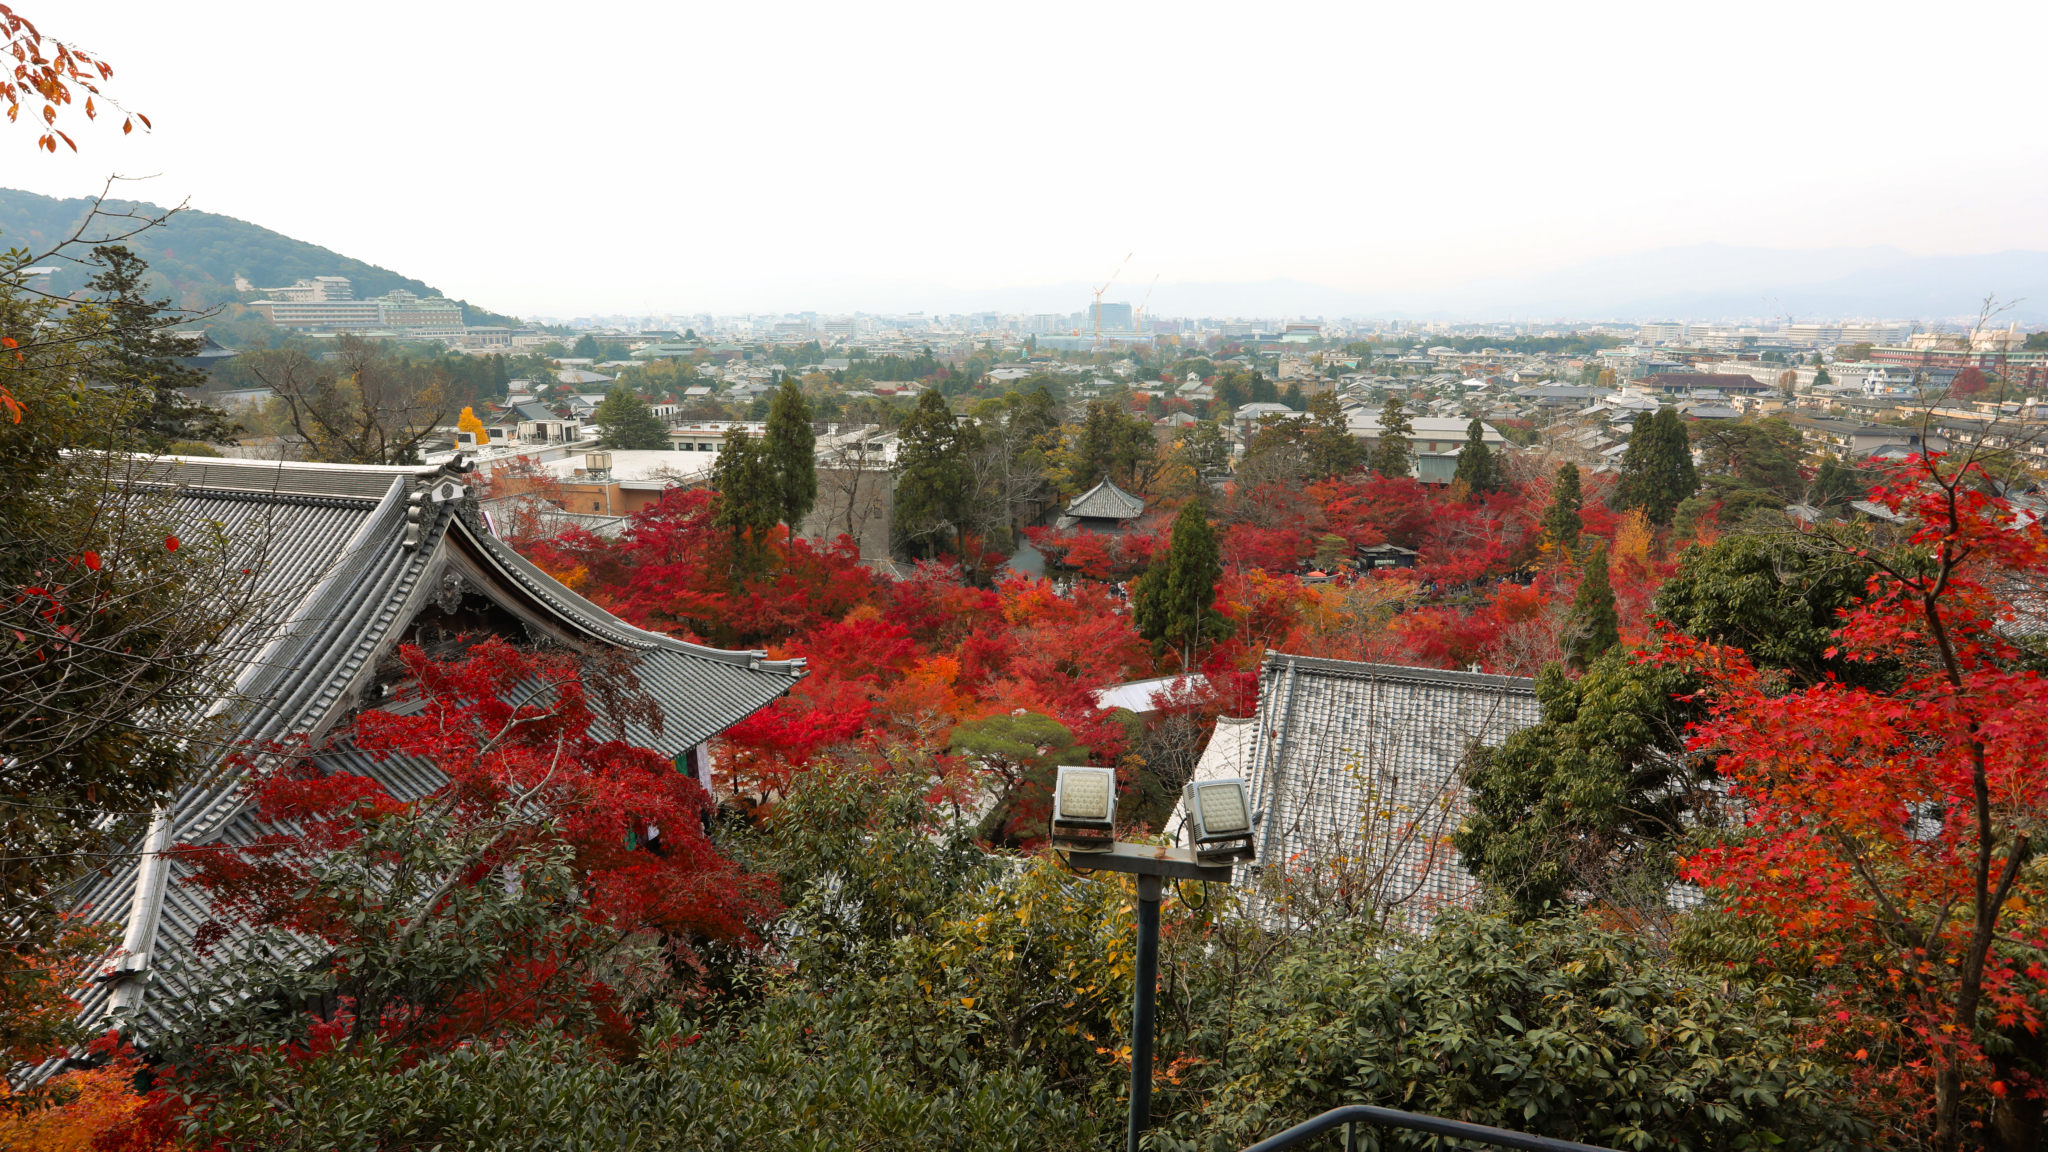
(1435, 1125)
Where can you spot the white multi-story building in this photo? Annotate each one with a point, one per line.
(1853, 332)
(319, 289)
(432, 318)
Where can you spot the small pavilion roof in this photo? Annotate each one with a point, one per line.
(1106, 501)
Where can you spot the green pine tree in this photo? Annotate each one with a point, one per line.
(1836, 484)
(793, 453)
(1561, 521)
(1598, 626)
(1393, 457)
(1332, 449)
(1657, 472)
(748, 499)
(1476, 465)
(586, 347)
(1292, 397)
(628, 422)
(1173, 605)
(144, 359)
(932, 477)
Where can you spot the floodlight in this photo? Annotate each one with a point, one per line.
(1218, 815)
(1084, 809)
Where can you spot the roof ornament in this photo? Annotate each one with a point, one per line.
(437, 492)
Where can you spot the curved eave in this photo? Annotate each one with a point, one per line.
(599, 624)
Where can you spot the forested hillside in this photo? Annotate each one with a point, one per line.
(199, 254)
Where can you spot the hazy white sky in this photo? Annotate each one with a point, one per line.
(581, 158)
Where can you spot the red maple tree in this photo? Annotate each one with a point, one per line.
(1891, 833)
(550, 830)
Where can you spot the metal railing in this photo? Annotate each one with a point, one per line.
(1351, 1116)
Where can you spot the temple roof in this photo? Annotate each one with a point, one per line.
(1106, 501)
(1360, 767)
(347, 558)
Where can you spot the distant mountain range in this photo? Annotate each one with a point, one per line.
(199, 254)
(1701, 283)
(1713, 281)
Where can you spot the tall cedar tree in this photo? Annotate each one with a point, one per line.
(793, 452)
(1392, 457)
(1476, 465)
(1561, 521)
(148, 358)
(1174, 604)
(932, 478)
(748, 497)
(628, 422)
(1111, 446)
(1598, 625)
(1657, 471)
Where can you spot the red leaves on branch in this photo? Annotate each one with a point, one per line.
(529, 758)
(1887, 829)
(47, 69)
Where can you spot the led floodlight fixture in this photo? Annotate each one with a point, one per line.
(1219, 820)
(1084, 809)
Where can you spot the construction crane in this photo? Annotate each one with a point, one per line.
(1138, 317)
(1098, 297)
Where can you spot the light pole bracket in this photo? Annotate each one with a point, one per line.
(1149, 860)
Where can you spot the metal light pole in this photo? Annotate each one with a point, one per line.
(1152, 864)
(1149, 892)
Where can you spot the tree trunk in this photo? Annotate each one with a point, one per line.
(2019, 1122)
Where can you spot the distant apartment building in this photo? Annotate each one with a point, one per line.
(434, 317)
(316, 290)
(1827, 335)
(327, 304)
(1115, 317)
(321, 315)
(1660, 333)
(2009, 339)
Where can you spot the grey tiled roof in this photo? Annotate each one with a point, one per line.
(1358, 771)
(347, 556)
(1106, 501)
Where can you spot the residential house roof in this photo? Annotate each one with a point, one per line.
(1737, 382)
